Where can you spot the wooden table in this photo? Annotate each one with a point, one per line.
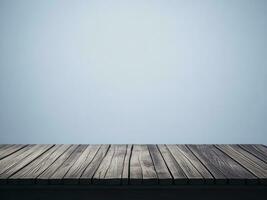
(133, 171)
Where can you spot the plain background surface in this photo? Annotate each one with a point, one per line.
(139, 71)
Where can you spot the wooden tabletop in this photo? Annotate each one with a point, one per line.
(133, 164)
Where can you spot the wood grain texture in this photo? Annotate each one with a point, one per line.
(161, 168)
(194, 177)
(77, 169)
(29, 173)
(88, 174)
(115, 170)
(6, 150)
(23, 159)
(257, 150)
(57, 177)
(12, 160)
(136, 175)
(208, 178)
(177, 172)
(99, 176)
(133, 164)
(223, 168)
(45, 176)
(246, 161)
(142, 169)
(126, 165)
(250, 156)
(235, 172)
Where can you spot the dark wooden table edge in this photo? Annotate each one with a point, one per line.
(130, 186)
(157, 192)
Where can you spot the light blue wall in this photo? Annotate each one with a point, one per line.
(138, 71)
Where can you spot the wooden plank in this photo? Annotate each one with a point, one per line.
(194, 177)
(262, 148)
(222, 165)
(142, 169)
(7, 150)
(136, 176)
(133, 164)
(147, 165)
(25, 159)
(75, 172)
(99, 176)
(115, 170)
(57, 177)
(45, 176)
(250, 156)
(251, 165)
(209, 160)
(177, 172)
(161, 168)
(209, 179)
(15, 158)
(126, 165)
(89, 172)
(257, 150)
(4, 147)
(28, 174)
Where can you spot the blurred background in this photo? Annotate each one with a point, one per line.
(141, 71)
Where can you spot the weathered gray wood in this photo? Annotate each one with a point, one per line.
(194, 177)
(209, 179)
(231, 169)
(45, 176)
(175, 169)
(126, 165)
(76, 170)
(247, 163)
(15, 158)
(89, 172)
(142, 167)
(262, 147)
(100, 173)
(57, 177)
(7, 150)
(256, 161)
(115, 170)
(29, 173)
(161, 168)
(147, 165)
(133, 164)
(209, 158)
(256, 150)
(3, 148)
(136, 176)
(28, 157)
